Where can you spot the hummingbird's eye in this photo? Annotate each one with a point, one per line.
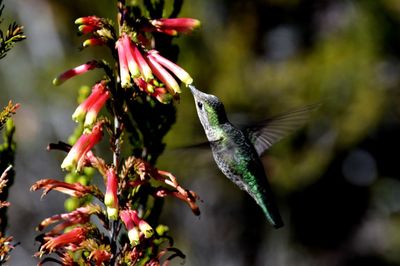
(200, 105)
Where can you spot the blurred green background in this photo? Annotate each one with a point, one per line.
(336, 180)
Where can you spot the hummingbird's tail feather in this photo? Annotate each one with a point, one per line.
(272, 214)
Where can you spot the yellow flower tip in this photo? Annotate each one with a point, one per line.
(109, 199)
(69, 162)
(176, 89)
(86, 43)
(79, 21)
(57, 82)
(188, 80)
(146, 229)
(112, 213)
(134, 236)
(196, 23)
(90, 119)
(78, 115)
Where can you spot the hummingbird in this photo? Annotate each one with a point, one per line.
(237, 151)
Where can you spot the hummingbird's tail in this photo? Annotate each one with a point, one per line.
(271, 213)
(265, 199)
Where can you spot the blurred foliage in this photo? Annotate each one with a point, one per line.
(7, 157)
(13, 35)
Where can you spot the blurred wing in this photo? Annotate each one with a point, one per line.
(265, 133)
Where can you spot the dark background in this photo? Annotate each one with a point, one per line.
(336, 180)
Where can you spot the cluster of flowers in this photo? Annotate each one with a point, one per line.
(74, 231)
(73, 236)
(150, 71)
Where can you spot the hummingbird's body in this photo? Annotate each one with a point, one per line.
(238, 160)
(237, 152)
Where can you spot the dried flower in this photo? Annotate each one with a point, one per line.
(75, 236)
(79, 216)
(75, 189)
(100, 256)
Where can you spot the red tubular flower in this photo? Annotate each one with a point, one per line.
(79, 216)
(90, 20)
(133, 223)
(75, 71)
(95, 108)
(75, 236)
(123, 64)
(85, 29)
(132, 65)
(174, 68)
(111, 197)
(133, 232)
(76, 156)
(97, 90)
(92, 42)
(74, 190)
(143, 66)
(164, 76)
(144, 227)
(172, 26)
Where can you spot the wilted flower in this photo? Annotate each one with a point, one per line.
(100, 256)
(75, 236)
(75, 71)
(79, 216)
(75, 189)
(76, 156)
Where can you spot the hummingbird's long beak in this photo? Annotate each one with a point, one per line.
(197, 93)
(193, 89)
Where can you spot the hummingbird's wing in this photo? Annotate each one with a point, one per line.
(267, 132)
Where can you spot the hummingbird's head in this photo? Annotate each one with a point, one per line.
(210, 109)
